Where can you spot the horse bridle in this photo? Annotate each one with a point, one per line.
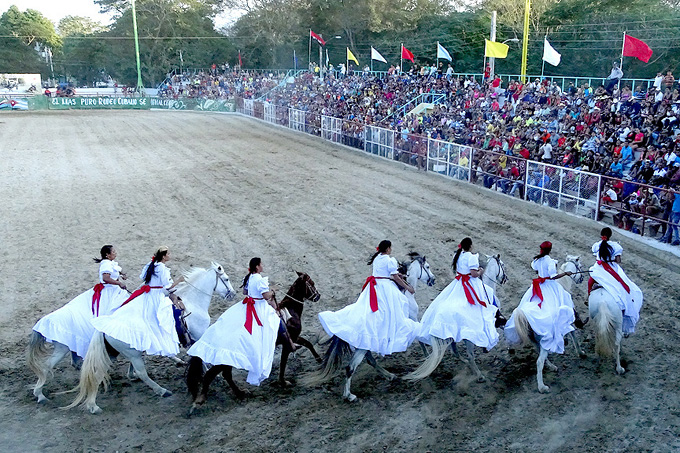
(501, 268)
(311, 289)
(218, 279)
(578, 272)
(421, 261)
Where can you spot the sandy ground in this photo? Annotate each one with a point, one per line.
(226, 188)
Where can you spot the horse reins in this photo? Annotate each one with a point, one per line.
(218, 279)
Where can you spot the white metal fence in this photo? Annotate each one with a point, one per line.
(379, 141)
(269, 112)
(248, 107)
(331, 128)
(296, 119)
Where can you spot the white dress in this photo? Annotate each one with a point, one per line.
(71, 325)
(146, 323)
(384, 331)
(228, 342)
(452, 315)
(629, 302)
(553, 319)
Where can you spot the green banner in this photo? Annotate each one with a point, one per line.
(99, 102)
(200, 105)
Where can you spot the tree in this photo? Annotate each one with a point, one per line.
(79, 26)
(30, 26)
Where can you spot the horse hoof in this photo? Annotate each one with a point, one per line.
(95, 409)
(583, 355)
(42, 399)
(286, 384)
(620, 370)
(319, 360)
(166, 393)
(351, 398)
(544, 389)
(552, 367)
(481, 379)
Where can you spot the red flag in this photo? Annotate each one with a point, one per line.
(633, 47)
(317, 38)
(240, 62)
(407, 54)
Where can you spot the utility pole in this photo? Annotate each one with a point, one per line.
(492, 60)
(140, 85)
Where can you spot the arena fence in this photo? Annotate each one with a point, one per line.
(565, 189)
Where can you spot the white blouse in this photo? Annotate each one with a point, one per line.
(109, 267)
(616, 247)
(161, 276)
(467, 261)
(545, 266)
(384, 266)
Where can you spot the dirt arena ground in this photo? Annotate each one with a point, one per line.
(226, 188)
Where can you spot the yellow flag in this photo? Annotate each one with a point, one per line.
(351, 57)
(495, 49)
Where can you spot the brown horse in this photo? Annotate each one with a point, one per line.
(290, 309)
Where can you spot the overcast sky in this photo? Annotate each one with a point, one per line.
(55, 10)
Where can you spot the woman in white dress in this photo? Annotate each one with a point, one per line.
(547, 307)
(145, 320)
(378, 321)
(609, 274)
(463, 311)
(243, 337)
(71, 325)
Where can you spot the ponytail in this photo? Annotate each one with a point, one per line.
(606, 250)
(381, 248)
(156, 258)
(103, 252)
(465, 245)
(252, 268)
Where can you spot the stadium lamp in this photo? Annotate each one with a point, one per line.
(511, 40)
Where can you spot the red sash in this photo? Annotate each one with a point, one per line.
(470, 293)
(139, 292)
(96, 297)
(613, 273)
(251, 313)
(536, 289)
(371, 289)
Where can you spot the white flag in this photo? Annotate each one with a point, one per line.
(550, 55)
(375, 55)
(442, 52)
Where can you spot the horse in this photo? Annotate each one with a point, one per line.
(290, 308)
(608, 319)
(571, 264)
(494, 274)
(196, 291)
(418, 269)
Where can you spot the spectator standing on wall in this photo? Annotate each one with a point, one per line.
(668, 80)
(674, 221)
(613, 78)
(546, 150)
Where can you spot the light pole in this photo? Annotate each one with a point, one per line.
(140, 85)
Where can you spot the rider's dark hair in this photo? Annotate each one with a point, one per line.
(381, 248)
(252, 268)
(606, 250)
(157, 258)
(465, 245)
(103, 252)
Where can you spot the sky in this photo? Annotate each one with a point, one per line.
(56, 10)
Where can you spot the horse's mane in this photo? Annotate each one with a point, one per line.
(403, 266)
(188, 275)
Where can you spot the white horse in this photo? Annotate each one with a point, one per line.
(417, 270)
(196, 292)
(608, 319)
(42, 364)
(572, 264)
(340, 351)
(496, 275)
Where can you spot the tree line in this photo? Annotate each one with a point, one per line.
(182, 33)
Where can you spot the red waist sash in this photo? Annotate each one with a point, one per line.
(96, 297)
(374, 297)
(536, 289)
(614, 274)
(251, 313)
(139, 292)
(470, 293)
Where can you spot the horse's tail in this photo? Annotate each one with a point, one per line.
(194, 375)
(432, 361)
(337, 354)
(94, 371)
(36, 354)
(522, 327)
(605, 330)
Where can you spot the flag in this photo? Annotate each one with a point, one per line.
(375, 55)
(550, 55)
(351, 57)
(495, 49)
(240, 62)
(633, 47)
(443, 53)
(317, 38)
(407, 54)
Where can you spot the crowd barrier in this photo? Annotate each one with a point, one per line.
(561, 188)
(114, 102)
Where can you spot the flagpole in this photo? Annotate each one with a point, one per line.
(401, 58)
(436, 60)
(347, 61)
(371, 60)
(309, 60)
(294, 60)
(543, 58)
(623, 48)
